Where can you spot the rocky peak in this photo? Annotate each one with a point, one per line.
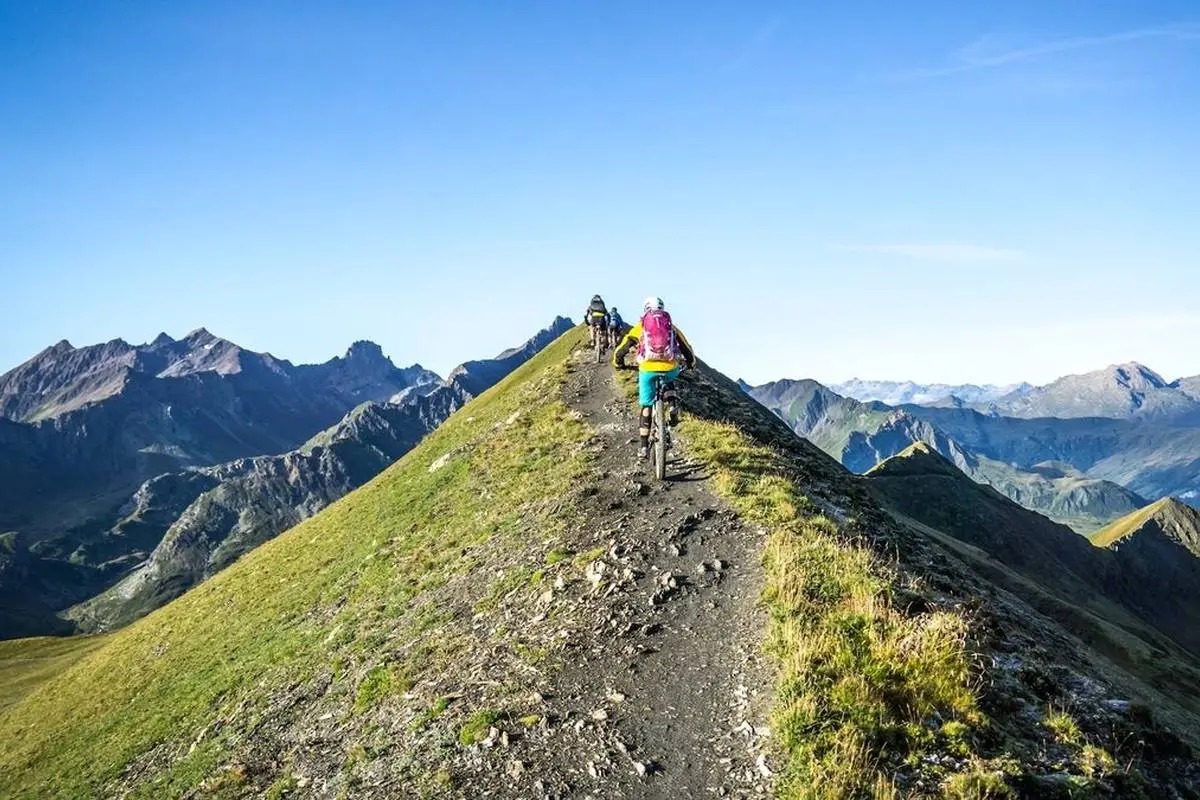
(366, 352)
(1136, 377)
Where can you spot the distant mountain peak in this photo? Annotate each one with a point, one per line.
(1135, 376)
(200, 336)
(162, 340)
(365, 350)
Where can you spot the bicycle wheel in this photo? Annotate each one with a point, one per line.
(660, 439)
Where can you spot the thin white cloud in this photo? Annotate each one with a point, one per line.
(945, 252)
(975, 56)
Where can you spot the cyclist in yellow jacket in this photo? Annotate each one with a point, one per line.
(662, 348)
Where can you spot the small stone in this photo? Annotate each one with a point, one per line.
(718, 565)
(599, 715)
(616, 697)
(701, 568)
(624, 748)
(763, 769)
(639, 767)
(591, 768)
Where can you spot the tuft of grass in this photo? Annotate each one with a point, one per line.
(1096, 762)
(282, 787)
(556, 555)
(378, 683)
(476, 728)
(858, 680)
(1063, 726)
(982, 781)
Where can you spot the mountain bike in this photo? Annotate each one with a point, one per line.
(660, 431)
(599, 342)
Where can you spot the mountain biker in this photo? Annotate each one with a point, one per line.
(596, 317)
(661, 346)
(616, 325)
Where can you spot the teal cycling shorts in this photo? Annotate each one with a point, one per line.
(647, 382)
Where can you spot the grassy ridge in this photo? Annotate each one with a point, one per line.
(1128, 524)
(170, 696)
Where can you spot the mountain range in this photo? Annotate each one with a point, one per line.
(174, 458)
(1134, 440)
(896, 393)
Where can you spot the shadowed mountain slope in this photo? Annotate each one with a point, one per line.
(922, 485)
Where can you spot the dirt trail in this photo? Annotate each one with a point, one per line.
(665, 696)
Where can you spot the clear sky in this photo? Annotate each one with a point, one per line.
(936, 191)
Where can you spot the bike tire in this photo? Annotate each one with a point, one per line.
(660, 440)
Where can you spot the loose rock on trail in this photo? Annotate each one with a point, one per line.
(665, 694)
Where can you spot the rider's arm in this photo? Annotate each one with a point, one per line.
(628, 341)
(685, 348)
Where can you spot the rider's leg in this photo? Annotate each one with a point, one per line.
(647, 381)
(670, 395)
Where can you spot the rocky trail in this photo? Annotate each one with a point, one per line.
(666, 695)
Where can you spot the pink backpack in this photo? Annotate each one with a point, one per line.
(658, 337)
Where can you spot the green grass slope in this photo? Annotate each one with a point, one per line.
(158, 708)
(1179, 520)
(26, 664)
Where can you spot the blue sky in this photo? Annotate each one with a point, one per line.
(952, 191)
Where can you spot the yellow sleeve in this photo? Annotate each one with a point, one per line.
(628, 341)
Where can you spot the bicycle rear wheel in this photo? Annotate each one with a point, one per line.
(660, 439)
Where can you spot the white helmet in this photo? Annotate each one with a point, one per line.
(652, 303)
